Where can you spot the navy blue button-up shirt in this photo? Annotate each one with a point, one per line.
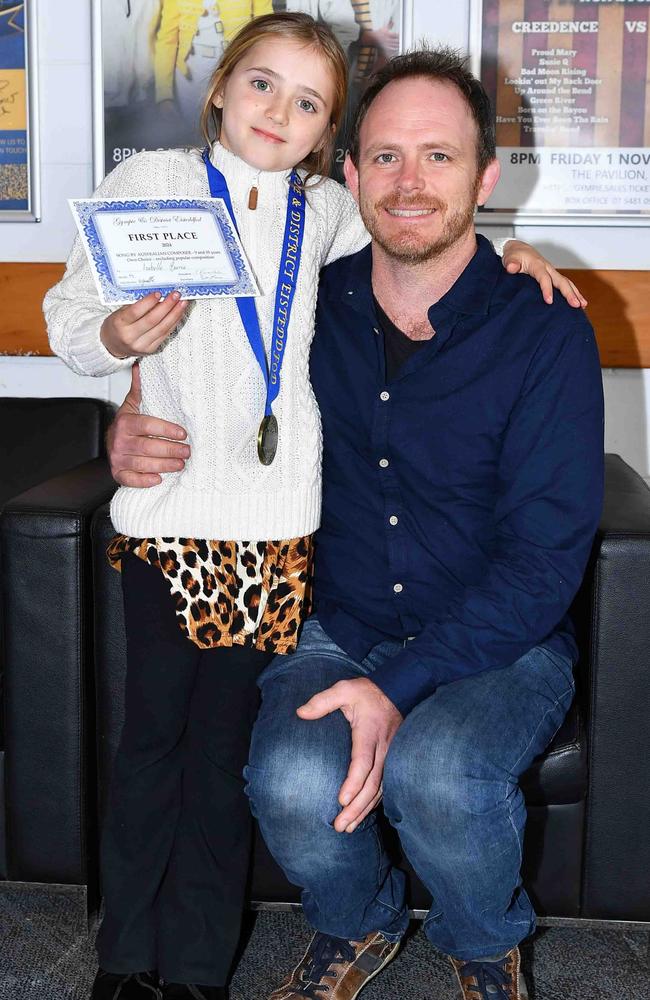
(460, 499)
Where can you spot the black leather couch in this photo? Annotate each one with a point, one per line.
(587, 852)
(54, 476)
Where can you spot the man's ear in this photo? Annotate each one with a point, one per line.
(489, 180)
(351, 175)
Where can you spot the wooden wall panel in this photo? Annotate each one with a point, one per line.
(22, 287)
(619, 308)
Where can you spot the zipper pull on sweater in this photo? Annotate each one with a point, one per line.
(252, 198)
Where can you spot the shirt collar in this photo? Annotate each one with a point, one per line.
(470, 294)
(356, 290)
(472, 291)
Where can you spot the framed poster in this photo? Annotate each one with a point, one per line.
(19, 201)
(152, 60)
(569, 82)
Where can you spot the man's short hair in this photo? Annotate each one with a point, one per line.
(443, 64)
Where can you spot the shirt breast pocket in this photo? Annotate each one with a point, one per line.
(456, 440)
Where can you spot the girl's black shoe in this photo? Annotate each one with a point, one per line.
(134, 986)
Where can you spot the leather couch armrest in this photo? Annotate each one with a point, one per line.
(49, 694)
(41, 438)
(76, 493)
(616, 881)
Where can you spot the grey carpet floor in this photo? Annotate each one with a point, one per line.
(46, 953)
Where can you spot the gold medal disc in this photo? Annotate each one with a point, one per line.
(267, 439)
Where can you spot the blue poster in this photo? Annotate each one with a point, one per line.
(14, 177)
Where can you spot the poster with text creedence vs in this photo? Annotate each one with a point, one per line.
(14, 179)
(157, 57)
(569, 84)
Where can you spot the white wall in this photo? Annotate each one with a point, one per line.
(50, 377)
(66, 171)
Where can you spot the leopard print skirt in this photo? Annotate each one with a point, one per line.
(231, 593)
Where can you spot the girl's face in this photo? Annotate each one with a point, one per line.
(276, 104)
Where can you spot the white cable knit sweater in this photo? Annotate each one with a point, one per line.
(205, 377)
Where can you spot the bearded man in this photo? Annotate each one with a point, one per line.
(462, 483)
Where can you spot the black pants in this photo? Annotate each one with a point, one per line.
(176, 841)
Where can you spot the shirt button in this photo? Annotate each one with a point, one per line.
(384, 463)
(394, 519)
(384, 396)
(398, 588)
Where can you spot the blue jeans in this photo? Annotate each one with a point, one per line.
(450, 790)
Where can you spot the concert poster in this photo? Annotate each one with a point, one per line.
(569, 83)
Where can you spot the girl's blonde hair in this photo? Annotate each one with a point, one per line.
(300, 28)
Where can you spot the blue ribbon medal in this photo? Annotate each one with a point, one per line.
(267, 438)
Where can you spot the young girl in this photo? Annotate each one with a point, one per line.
(222, 548)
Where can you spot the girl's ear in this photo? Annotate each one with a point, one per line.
(217, 100)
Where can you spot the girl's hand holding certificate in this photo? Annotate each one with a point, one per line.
(141, 327)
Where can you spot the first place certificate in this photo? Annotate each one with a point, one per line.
(185, 245)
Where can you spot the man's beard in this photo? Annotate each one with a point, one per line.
(410, 246)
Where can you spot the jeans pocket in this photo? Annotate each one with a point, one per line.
(563, 663)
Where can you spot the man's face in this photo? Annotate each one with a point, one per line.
(417, 182)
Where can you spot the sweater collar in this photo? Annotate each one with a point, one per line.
(241, 177)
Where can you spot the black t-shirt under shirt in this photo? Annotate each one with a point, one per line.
(398, 348)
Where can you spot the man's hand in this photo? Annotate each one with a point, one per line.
(141, 327)
(140, 447)
(521, 258)
(374, 720)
